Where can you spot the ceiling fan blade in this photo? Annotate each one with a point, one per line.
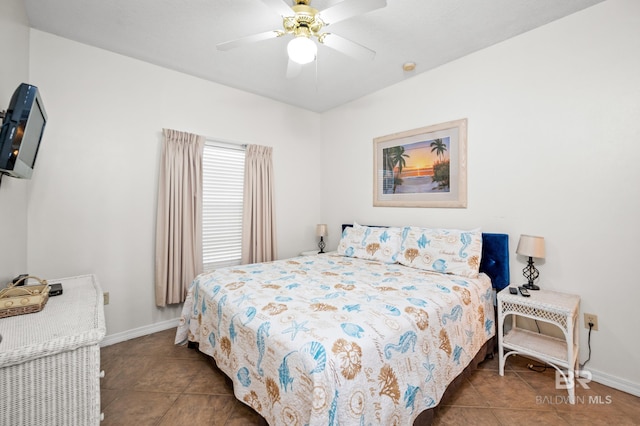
(280, 7)
(349, 8)
(347, 47)
(228, 45)
(293, 69)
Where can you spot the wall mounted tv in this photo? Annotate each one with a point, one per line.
(21, 133)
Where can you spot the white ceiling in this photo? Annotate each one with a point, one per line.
(182, 35)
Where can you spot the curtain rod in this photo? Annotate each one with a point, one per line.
(227, 143)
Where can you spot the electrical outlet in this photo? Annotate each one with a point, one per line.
(591, 318)
(106, 297)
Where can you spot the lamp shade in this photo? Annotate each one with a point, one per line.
(302, 50)
(321, 230)
(531, 246)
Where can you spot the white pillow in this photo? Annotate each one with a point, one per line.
(448, 251)
(371, 243)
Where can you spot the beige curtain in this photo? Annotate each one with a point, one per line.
(179, 216)
(259, 223)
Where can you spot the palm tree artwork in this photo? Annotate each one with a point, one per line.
(394, 160)
(438, 147)
(422, 167)
(441, 167)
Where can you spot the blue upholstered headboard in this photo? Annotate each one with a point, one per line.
(495, 258)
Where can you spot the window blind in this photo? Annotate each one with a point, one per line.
(222, 194)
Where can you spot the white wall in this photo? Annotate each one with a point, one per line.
(553, 149)
(93, 201)
(14, 49)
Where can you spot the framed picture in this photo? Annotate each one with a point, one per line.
(424, 167)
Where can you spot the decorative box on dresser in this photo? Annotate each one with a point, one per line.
(50, 360)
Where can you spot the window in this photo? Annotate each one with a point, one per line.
(223, 186)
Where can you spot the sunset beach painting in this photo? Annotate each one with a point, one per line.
(417, 168)
(424, 167)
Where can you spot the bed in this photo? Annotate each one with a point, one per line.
(367, 335)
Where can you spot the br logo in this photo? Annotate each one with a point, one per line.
(569, 380)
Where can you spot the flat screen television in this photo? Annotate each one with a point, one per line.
(21, 133)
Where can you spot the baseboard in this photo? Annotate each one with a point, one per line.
(615, 382)
(112, 339)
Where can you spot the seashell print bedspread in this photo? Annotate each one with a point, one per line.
(325, 340)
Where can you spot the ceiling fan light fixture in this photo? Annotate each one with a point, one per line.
(302, 50)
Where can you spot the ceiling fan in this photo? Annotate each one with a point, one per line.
(305, 23)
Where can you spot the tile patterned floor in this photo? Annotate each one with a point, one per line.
(150, 381)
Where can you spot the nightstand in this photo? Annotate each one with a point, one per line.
(315, 252)
(560, 309)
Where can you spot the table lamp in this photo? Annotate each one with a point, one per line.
(321, 231)
(531, 246)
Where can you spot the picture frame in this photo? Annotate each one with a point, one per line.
(425, 167)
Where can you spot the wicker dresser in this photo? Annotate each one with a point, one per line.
(50, 360)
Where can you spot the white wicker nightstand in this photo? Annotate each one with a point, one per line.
(50, 360)
(553, 307)
(315, 252)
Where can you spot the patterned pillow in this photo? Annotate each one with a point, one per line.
(449, 251)
(367, 242)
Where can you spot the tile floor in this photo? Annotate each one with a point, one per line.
(149, 381)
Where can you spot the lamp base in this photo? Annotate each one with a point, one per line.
(531, 274)
(321, 245)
